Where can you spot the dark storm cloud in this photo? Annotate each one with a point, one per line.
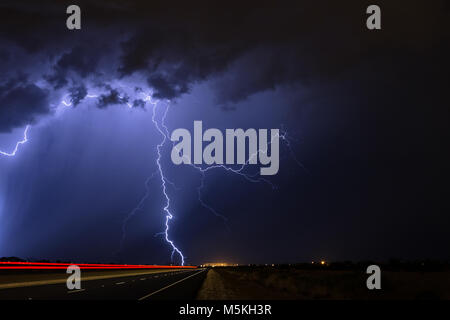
(138, 103)
(80, 60)
(245, 49)
(77, 94)
(111, 98)
(21, 103)
(167, 88)
(4, 55)
(266, 46)
(176, 58)
(57, 79)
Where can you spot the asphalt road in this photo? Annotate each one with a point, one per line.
(170, 285)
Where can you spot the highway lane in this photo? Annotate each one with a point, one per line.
(170, 285)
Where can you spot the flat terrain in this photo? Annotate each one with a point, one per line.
(106, 285)
(12, 279)
(228, 283)
(272, 283)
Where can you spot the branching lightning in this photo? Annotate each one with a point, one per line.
(139, 207)
(18, 144)
(162, 129)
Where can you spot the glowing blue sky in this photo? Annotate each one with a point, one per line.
(365, 113)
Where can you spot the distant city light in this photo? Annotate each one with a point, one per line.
(219, 264)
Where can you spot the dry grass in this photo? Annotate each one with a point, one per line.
(267, 283)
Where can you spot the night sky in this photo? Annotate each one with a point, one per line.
(367, 114)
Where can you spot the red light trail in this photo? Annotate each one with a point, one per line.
(9, 265)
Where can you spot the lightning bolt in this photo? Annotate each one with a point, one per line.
(18, 144)
(27, 128)
(238, 171)
(139, 207)
(164, 181)
(166, 209)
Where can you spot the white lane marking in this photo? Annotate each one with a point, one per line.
(57, 281)
(119, 283)
(142, 279)
(170, 285)
(74, 291)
